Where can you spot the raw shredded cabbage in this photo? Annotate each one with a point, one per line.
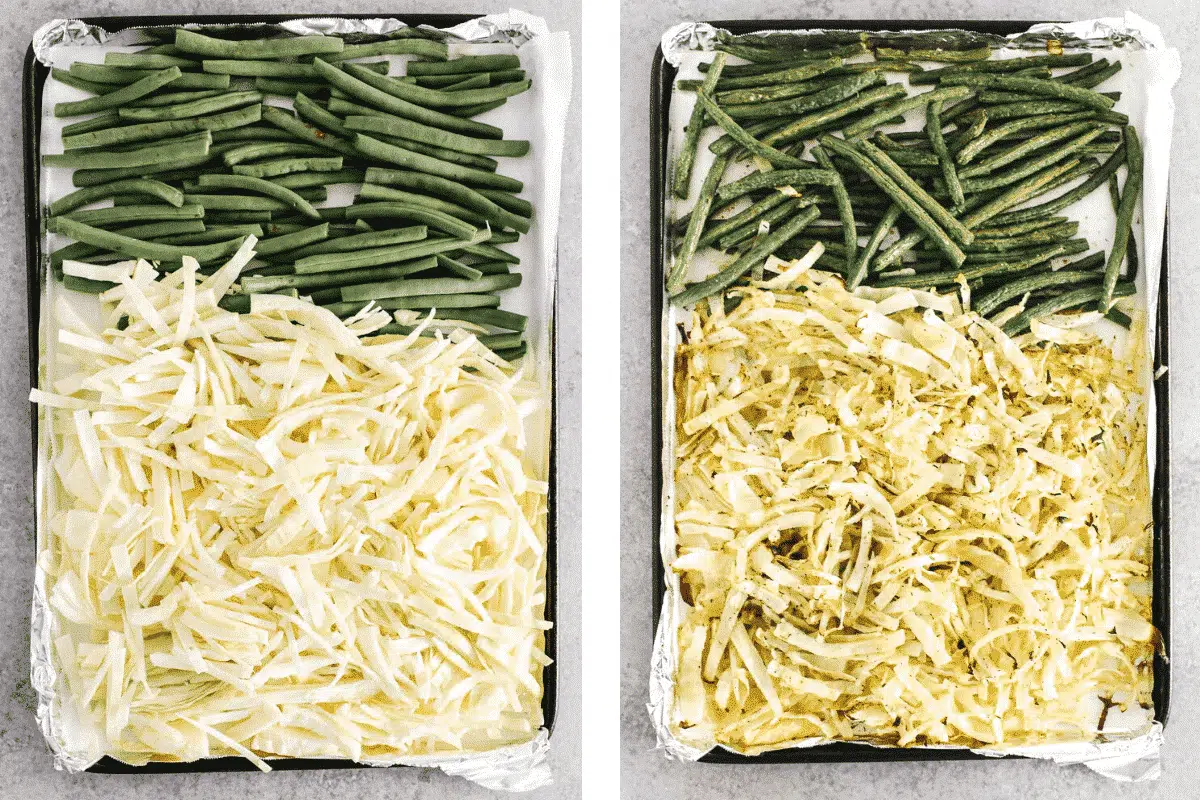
(904, 527)
(269, 537)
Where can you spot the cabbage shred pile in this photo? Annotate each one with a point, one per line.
(896, 524)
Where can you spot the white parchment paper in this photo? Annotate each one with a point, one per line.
(538, 115)
(1150, 70)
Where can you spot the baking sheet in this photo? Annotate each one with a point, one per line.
(538, 115)
(1150, 70)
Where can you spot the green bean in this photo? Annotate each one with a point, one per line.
(173, 98)
(502, 342)
(288, 87)
(346, 108)
(377, 192)
(433, 166)
(425, 48)
(454, 192)
(845, 215)
(1120, 317)
(981, 53)
(763, 247)
(217, 233)
(419, 303)
(1114, 191)
(116, 215)
(429, 286)
(1006, 65)
(99, 73)
(1093, 79)
(767, 221)
(407, 129)
(911, 188)
(1065, 301)
(236, 217)
(841, 90)
(682, 174)
(488, 252)
(1030, 166)
(933, 127)
(492, 78)
(1125, 211)
(1017, 125)
(159, 153)
(913, 208)
(1034, 86)
(282, 166)
(194, 108)
(387, 102)
(259, 69)
(252, 133)
(78, 284)
(691, 239)
(143, 249)
(1025, 147)
(308, 110)
(147, 61)
(513, 353)
(764, 94)
(260, 186)
(235, 202)
(254, 151)
(360, 241)
(81, 251)
(76, 82)
(464, 64)
(260, 284)
(457, 268)
(517, 205)
(189, 41)
(427, 97)
(280, 118)
(796, 74)
(1019, 229)
(1054, 233)
(985, 304)
(304, 180)
(144, 131)
(120, 97)
(417, 213)
(889, 110)
(807, 125)
(492, 267)
(474, 111)
(771, 179)
(485, 316)
(752, 145)
(140, 186)
(375, 256)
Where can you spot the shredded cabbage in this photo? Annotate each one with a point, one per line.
(905, 527)
(268, 536)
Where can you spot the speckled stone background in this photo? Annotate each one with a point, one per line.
(645, 773)
(26, 768)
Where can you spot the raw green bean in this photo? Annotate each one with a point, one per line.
(765, 246)
(845, 215)
(985, 304)
(306, 282)
(474, 111)
(138, 186)
(143, 249)
(429, 286)
(194, 108)
(288, 88)
(302, 180)
(260, 69)
(360, 241)
(82, 251)
(376, 192)
(488, 252)
(1065, 301)
(425, 48)
(502, 342)
(117, 215)
(217, 233)
(346, 108)
(78, 284)
(239, 217)
(933, 127)
(437, 98)
(407, 129)
(517, 205)
(457, 268)
(76, 82)
(494, 317)
(259, 186)
(417, 213)
(419, 303)
(375, 256)
(433, 166)
(172, 98)
(118, 98)
(451, 191)
(280, 118)
(387, 102)
(99, 73)
(465, 64)
(147, 61)
(254, 151)
(889, 110)
(235, 202)
(283, 166)
(162, 153)
(1126, 209)
(189, 41)
(492, 267)
(513, 353)
(144, 131)
(252, 133)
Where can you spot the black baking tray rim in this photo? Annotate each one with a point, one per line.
(33, 80)
(662, 77)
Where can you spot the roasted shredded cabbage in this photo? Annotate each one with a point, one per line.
(267, 536)
(895, 524)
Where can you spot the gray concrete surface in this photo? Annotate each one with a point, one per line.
(26, 769)
(645, 774)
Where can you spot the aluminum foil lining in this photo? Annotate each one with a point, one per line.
(1137, 757)
(514, 768)
(513, 27)
(1108, 32)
